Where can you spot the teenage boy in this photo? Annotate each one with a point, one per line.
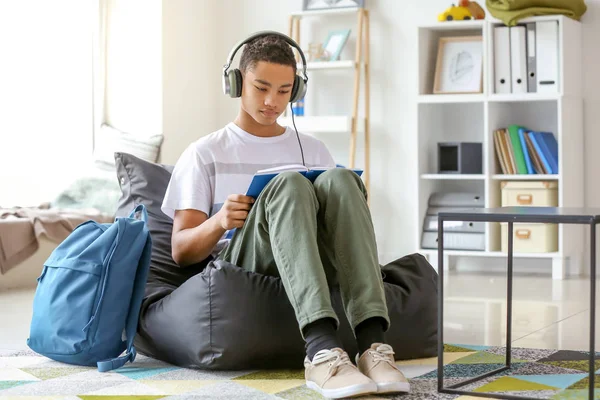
(308, 234)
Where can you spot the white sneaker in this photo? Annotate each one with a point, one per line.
(332, 374)
(378, 364)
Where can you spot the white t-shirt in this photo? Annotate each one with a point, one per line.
(224, 162)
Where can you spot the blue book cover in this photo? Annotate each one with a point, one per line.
(525, 152)
(535, 139)
(263, 177)
(550, 146)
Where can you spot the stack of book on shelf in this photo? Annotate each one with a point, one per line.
(523, 151)
(458, 235)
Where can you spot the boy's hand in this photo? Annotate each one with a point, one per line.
(234, 212)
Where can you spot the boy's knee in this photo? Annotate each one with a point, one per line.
(338, 177)
(292, 183)
(292, 179)
(338, 174)
(339, 182)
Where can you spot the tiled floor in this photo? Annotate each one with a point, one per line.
(546, 313)
(15, 314)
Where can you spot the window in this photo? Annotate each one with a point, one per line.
(46, 107)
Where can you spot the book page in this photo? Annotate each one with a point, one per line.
(282, 168)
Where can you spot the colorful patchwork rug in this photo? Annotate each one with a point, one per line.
(552, 374)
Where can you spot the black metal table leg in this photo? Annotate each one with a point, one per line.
(440, 304)
(592, 308)
(509, 292)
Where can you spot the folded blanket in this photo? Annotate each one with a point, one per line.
(20, 229)
(511, 11)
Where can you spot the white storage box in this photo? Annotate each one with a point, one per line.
(531, 238)
(530, 193)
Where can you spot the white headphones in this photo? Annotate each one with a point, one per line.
(232, 80)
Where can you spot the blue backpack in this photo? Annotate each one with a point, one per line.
(89, 294)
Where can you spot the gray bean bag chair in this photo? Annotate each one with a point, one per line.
(215, 315)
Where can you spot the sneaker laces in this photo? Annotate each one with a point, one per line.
(383, 352)
(339, 358)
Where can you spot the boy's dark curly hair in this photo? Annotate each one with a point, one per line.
(270, 48)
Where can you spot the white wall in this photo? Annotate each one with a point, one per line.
(591, 90)
(393, 89)
(591, 108)
(191, 63)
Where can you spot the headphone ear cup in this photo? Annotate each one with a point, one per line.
(235, 83)
(239, 80)
(298, 90)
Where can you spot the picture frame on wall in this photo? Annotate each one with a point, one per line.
(309, 5)
(333, 45)
(459, 65)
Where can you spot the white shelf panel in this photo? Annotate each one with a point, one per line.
(322, 124)
(522, 97)
(468, 253)
(450, 98)
(320, 65)
(534, 177)
(454, 25)
(493, 98)
(526, 255)
(536, 18)
(328, 11)
(454, 177)
(496, 254)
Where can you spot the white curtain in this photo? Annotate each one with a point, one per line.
(46, 106)
(99, 63)
(133, 46)
(128, 78)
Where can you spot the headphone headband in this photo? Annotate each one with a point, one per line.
(266, 33)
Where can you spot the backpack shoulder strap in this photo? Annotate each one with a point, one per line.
(135, 304)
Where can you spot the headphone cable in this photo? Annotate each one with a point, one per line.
(297, 135)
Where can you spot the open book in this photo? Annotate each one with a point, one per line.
(264, 176)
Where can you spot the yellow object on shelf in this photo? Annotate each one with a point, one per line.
(455, 13)
(465, 10)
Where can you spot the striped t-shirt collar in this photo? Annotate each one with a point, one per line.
(253, 138)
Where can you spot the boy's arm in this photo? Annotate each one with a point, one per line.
(195, 235)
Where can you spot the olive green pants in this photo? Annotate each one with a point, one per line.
(312, 236)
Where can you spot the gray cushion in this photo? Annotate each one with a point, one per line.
(215, 315)
(244, 320)
(145, 182)
(142, 182)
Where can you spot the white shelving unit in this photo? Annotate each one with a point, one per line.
(319, 65)
(322, 123)
(474, 118)
(464, 177)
